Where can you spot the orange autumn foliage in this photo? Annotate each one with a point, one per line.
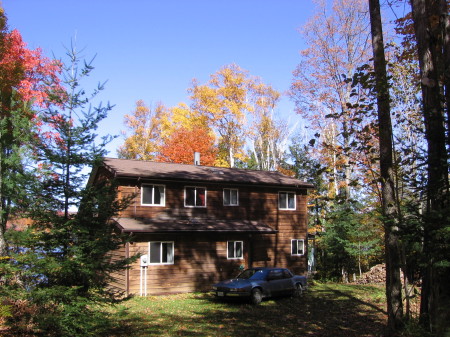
(182, 145)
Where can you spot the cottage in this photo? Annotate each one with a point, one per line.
(195, 225)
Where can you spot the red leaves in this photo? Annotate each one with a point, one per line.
(184, 142)
(25, 70)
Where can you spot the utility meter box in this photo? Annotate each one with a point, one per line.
(144, 260)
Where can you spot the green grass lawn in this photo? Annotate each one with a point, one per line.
(324, 310)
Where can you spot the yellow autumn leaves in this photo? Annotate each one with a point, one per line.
(234, 108)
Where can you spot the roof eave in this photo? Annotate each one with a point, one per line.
(143, 178)
(144, 231)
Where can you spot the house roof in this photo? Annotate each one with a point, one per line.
(170, 171)
(154, 226)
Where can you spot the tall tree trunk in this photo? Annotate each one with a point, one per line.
(3, 212)
(446, 25)
(3, 247)
(430, 19)
(392, 252)
(5, 101)
(3, 244)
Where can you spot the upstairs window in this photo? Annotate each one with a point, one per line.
(230, 197)
(161, 252)
(297, 247)
(195, 196)
(286, 200)
(153, 195)
(235, 249)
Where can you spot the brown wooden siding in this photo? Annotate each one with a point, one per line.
(255, 203)
(201, 259)
(119, 282)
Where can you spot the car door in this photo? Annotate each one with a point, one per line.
(288, 283)
(275, 282)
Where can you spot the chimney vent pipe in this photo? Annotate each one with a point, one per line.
(196, 158)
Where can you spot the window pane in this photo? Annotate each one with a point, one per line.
(230, 196)
(283, 202)
(298, 247)
(291, 200)
(238, 249)
(301, 247)
(231, 249)
(163, 252)
(226, 196)
(157, 195)
(147, 194)
(162, 194)
(155, 252)
(276, 274)
(167, 252)
(190, 196)
(294, 247)
(170, 252)
(287, 274)
(200, 197)
(234, 197)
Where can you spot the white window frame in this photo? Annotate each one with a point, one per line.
(195, 200)
(230, 191)
(287, 193)
(298, 242)
(234, 250)
(163, 198)
(160, 253)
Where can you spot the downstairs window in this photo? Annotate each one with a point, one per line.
(161, 252)
(297, 247)
(235, 249)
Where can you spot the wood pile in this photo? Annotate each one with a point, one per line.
(376, 274)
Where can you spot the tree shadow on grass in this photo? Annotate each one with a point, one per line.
(320, 312)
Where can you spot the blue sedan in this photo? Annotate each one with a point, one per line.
(258, 283)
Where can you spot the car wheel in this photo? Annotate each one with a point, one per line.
(256, 296)
(298, 291)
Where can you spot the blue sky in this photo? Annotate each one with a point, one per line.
(151, 50)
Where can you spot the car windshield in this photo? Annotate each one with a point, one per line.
(252, 274)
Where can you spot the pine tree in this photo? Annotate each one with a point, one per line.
(67, 256)
(24, 76)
